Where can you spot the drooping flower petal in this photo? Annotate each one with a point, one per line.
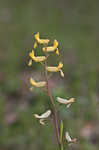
(37, 84)
(62, 73)
(41, 41)
(65, 101)
(44, 115)
(36, 58)
(42, 121)
(68, 138)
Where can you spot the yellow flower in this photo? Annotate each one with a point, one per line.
(37, 84)
(37, 58)
(65, 101)
(40, 41)
(56, 69)
(52, 48)
(43, 116)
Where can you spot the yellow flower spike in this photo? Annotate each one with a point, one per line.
(37, 58)
(37, 84)
(30, 62)
(52, 48)
(41, 41)
(35, 45)
(65, 101)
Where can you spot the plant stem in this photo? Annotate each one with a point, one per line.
(53, 107)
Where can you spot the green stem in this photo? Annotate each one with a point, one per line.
(53, 107)
(62, 147)
(61, 134)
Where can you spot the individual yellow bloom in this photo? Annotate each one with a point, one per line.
(52, 48)
(30, 62)
(40, 41)
(36, 58)
(43, 116)
(56, 69)
(37, 84)
(35, 45)
(65, 101)
(68, 138)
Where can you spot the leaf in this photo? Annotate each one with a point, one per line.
(61, 131)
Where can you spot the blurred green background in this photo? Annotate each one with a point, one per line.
(75, 24)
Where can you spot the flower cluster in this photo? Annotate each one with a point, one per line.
(38, 84)
(42, 59)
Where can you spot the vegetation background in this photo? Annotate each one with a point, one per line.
(75, 24)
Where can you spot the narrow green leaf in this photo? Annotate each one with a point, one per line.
(61, 131)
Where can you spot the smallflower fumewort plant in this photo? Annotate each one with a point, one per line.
(52, 112)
